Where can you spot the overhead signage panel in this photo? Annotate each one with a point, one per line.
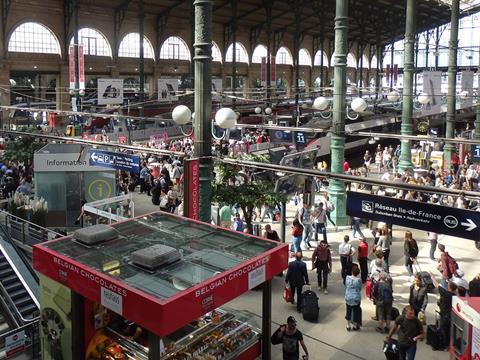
(423, 216)
(119, 161)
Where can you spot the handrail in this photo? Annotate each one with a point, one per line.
(11, 304)
(8, 238)
(6, 213)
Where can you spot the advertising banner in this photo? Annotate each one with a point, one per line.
(81, 67)
(55, 323)
(71, 66)
(167, 89)
(110, 91)
(467, 86)
(475, 343)
(432, 85)
(273, 70)
(192, 188)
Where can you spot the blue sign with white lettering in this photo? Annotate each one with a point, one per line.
(429, 217)
(119, 161)
(476, 153)
(300, 138)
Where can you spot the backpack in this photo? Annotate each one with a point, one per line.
(452, 265)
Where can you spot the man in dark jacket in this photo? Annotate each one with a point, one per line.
(445, 308)
(297, 276)
(322, 261)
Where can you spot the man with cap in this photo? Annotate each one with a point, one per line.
(291, 338)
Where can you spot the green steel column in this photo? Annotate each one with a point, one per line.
(337, 141)
(407, 103)
(203, 102)
(476, 134)
(452, 83)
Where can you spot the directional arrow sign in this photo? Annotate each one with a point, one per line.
(470, 225)
(429, 217)
(119, 161)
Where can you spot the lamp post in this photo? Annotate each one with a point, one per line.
(336, 188)
(405, 162)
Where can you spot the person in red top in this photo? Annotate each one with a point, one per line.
(346, 166)
(455, 162)
(363, 259)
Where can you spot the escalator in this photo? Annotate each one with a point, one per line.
(25, 304)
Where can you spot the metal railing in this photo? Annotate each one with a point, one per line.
(25, 232)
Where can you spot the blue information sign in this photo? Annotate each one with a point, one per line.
(300, 138)
(476, 153)
(429, 217)
(280, 136)
(119, 161)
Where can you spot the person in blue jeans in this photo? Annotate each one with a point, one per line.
(356, 228)
(410, 330)
(297, 231)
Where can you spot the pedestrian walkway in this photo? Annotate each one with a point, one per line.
(328, 339)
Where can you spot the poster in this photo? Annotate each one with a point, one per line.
(432, 85)
(110, 91)
(467, 85)
(71, 67)
(217, 89)
(55, 323)
(81, 67)
(167, 89)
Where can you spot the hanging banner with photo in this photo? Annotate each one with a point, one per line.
(110, 91)
(217, 87)
(432, 85)
(467, 89)
(81, 67)
(167, 89)
(273, 70)
(71, 66)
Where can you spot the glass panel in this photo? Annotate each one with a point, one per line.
(73, 181)
(205, 252)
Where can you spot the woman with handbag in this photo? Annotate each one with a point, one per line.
(353, 286)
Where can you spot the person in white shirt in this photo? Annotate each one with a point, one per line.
(346, 252)
(458, 279)
(319, 218)
(433, 238)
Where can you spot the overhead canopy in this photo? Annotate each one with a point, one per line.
(371, 22)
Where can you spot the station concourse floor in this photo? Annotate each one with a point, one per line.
(328, 338)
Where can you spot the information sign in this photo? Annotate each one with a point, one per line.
(429, 217)
(476, 153)
(119, 161)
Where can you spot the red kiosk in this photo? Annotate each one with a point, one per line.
(465, 330)
(99, 302)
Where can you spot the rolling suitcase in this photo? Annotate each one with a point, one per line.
(390, 349)
(310, 308)
(426, 278)
(434, 337)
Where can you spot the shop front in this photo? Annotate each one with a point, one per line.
(114, 294)
(465, 329)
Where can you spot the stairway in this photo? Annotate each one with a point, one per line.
(16, 290)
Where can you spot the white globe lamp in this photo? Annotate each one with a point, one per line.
(225, 118)
(424, 98)
(268, 111)
(320, 103)
(258, 110)
(81, 92)
(358, 105)
(181, 115)
(393, 96)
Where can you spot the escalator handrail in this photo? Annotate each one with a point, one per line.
(25, 260)
(17, 273)
(11, 305)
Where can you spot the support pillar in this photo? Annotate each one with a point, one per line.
(407, 103)
(476, 133)
(336, 188)
(266, 320)
(268, 85)
(452, 83)
(141, 64)
(203, 103)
